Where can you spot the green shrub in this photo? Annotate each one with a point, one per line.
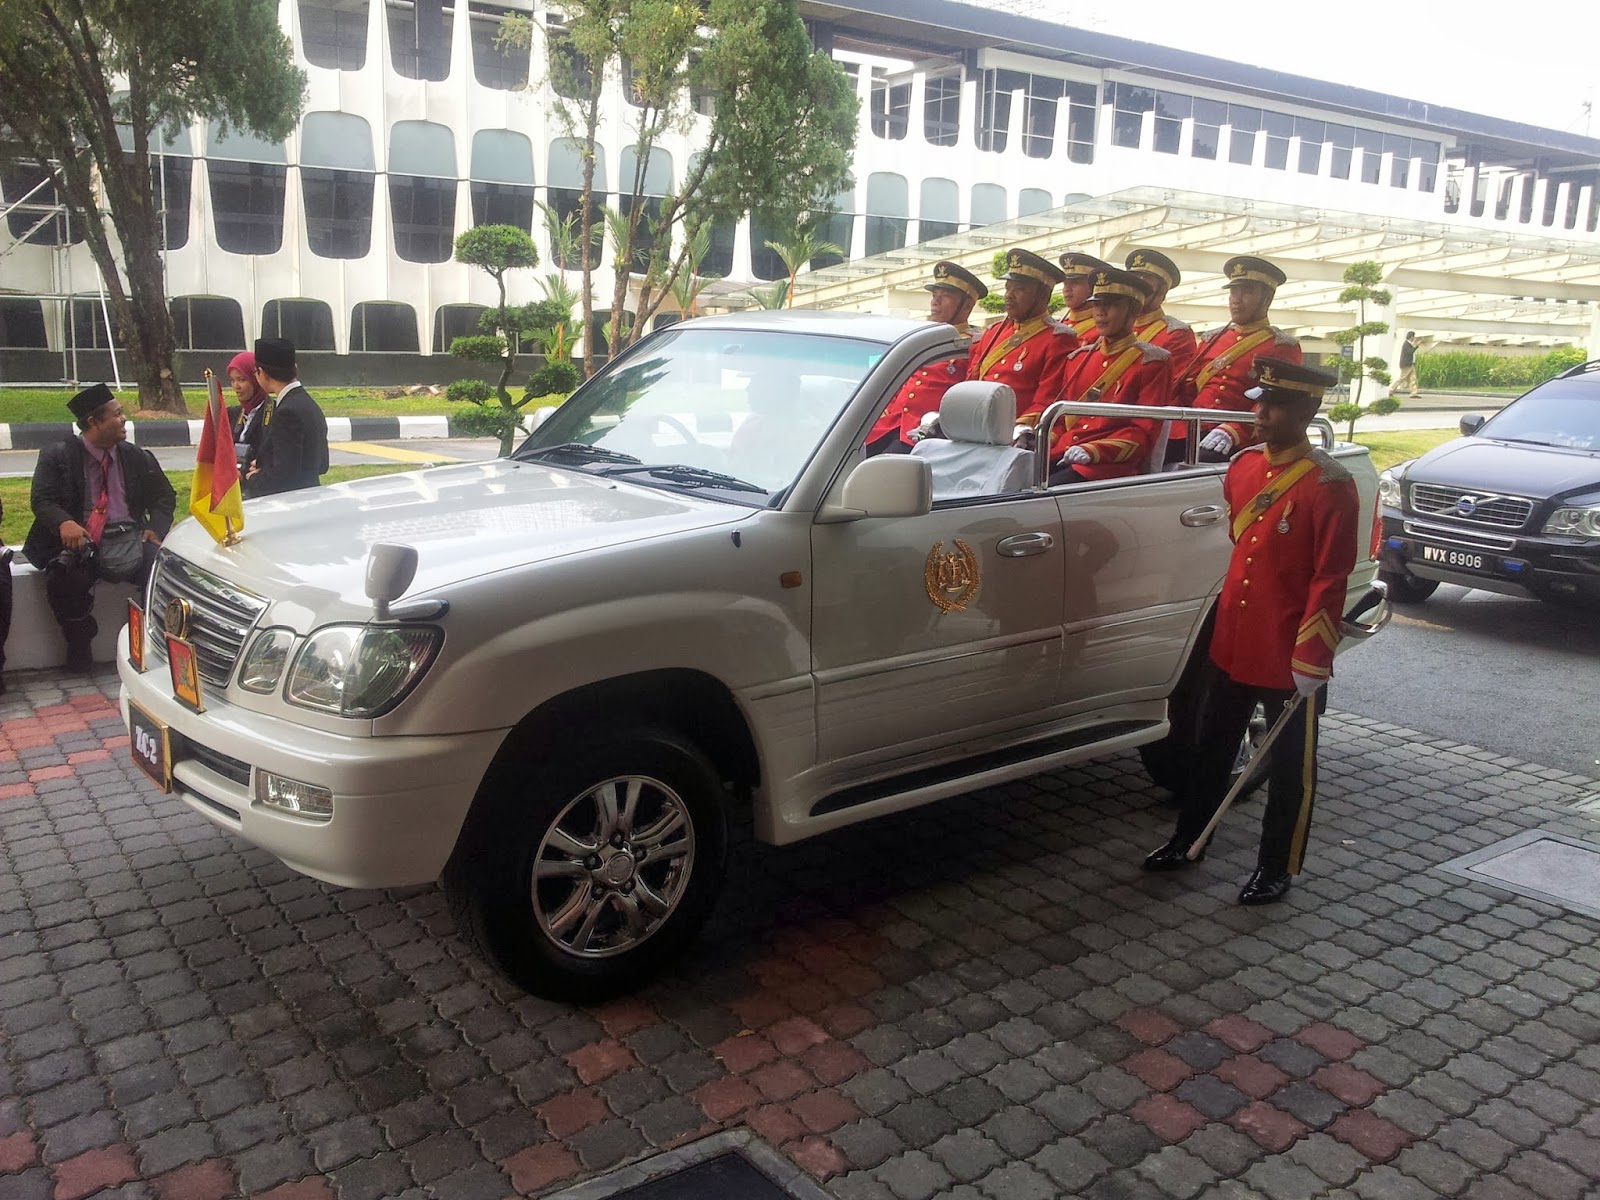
(1474, 370)
(470, 391)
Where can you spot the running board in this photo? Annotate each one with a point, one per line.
(996, 766)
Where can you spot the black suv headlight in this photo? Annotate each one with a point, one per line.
(1581, 522)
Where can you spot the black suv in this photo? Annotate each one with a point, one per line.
(1511, 506)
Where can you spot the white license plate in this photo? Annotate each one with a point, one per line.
(1464, 560)
(150, 745)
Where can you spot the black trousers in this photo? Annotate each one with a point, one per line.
(5, 605)
(1226, 708)
(69, 590)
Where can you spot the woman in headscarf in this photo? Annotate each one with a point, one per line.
(248, 416)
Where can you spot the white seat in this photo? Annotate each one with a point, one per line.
(975, 457)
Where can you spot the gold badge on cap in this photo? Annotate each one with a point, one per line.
(952, 578)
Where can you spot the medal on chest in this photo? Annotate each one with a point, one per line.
(1283, 521)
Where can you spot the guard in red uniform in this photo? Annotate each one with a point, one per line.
(1154, 325)
(1020, 350)
(1220, 374)
(1077, 289)
(1115, 368)
(1294, 512)
(951, 295)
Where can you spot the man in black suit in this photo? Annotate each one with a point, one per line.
(293, 451)
(100, 510)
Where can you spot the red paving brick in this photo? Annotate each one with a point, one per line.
(723, 1098)
(745, 1052)
(781, 1080)
(812, 995)
(1149, 1026)
(775, 1124)
(760, 1009)
(846, 1020)
(314, 1188)
(83, 756)
(87, 1173)
(17, 1152)
(1251, 1076)
(1159, 1069)
(15, 791)
(1243, 1034)
(817, 1156)
(825, 1110)
(834, 1062)
(210, 1180)
(1351, 1084)
(1270, 1128)
(40, 774)
(1169, 1118)
(566, 1114)
(1369, 1133)
(539, 1166)
(1330, 1041)
(795, 1035)
(601, 1060)
(623, 1017)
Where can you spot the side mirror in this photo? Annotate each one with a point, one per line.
(890, 485)
(1471, 423)
(390, 570)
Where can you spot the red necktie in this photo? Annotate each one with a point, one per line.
(97, 518)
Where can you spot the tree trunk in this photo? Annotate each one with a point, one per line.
(586, 223)
(149, 336)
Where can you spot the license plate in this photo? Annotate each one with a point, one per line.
(1461, 560)
(151, 746)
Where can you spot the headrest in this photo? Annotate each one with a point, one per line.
(980, 412)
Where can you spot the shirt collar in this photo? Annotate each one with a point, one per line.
(1252, 327)
(1282, 458)
(99, 455)
(1108, 347)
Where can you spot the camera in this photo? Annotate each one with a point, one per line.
(244, 453)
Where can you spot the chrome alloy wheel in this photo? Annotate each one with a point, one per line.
(613, 866)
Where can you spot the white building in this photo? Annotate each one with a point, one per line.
(978, 130)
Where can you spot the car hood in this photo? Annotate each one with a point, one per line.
(465, 521)
(1483, 464)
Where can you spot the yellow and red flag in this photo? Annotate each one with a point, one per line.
(214, 495)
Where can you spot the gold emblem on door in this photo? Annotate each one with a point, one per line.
(951, 577)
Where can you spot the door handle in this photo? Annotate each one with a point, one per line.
(1020, 545)
(1204, 514)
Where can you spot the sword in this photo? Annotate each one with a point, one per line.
(1289, 710)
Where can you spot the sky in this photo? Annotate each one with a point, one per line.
(1468, 56)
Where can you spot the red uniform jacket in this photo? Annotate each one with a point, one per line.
(1294, 535)
(1081, 322)
(921, 394)
(1173, 336)
(1127, 372)
(1020, 357)
(1219, 374)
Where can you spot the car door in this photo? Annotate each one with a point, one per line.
(935, 628)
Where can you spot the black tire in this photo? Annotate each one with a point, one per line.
(1408, 589)
(588, 927)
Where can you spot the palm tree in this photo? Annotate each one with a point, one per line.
(799, 251)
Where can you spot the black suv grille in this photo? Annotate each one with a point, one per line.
(1477, 508)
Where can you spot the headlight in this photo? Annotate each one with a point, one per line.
(1575, 522)
(261, 669)
(1389, 485)
(361, 670)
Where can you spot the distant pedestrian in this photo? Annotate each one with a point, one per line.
(293, 450)
(1408, 367)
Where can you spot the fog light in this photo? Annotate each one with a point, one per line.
(291, 796)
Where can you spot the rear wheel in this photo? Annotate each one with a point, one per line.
(590, 872)
(1408, 589)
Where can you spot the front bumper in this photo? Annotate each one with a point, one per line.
(1511, 564)
(399, 802)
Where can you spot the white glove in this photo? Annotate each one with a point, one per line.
(1219, 440)
(1306, 685)
(926, 428)
(1077, 454)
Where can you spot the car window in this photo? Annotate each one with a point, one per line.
(690, 404)
(1563, 412)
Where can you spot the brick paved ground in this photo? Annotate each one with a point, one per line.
(985, 998)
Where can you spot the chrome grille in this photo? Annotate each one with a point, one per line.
(1481, 508)
(222, 615)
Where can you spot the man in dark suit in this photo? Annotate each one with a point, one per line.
(100, 510)
(293, 450)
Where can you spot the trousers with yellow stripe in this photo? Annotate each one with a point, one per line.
(1226, 706)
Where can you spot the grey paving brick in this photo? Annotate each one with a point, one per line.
(972, 1101)
(867, 1143)
(1444, 1172)
(1281, 1178)
(1546, 1177)
(919, 1121)
(876, 1091)
(1019, 1132)
(1212, 1096)
(1018, 1181)
(914, 1176)
(1386, 1183)
(1177, 1173)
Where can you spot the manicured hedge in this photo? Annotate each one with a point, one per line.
(1474, 369)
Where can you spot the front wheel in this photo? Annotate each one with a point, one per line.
(1408, 589)
(589, 873)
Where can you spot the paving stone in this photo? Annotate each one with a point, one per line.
(1019, 1132)
(967, 1154)
(1386, 1183)
(1283, 1179)
(1444, 1172)
(1018, 1181)
(914, 1176)
(1546, 1177)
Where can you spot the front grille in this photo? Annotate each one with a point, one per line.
(1459, 537)
(185, 749)
(221, 615)
(1477, 508)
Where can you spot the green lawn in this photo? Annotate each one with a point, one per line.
(19, 405)
(1400, 444)
(14, 494)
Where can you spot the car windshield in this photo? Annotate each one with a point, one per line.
(1563, 412)
(732, 412)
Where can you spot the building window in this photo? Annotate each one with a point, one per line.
(451, 321)
(383, 326)
(307, 324)
(170, 177)
(248, 180)
(1427, 154)
(1278, 127)
(1343, 139)
(1129, 104)
(502, 178)
(888, 212)
(1209, 117)
(838, 227)
(503, 68)
(653, 183)
(337, 174)
(565, 197)
(1400, 168)
(1172, 110)
(571, 74)
(333, 33)
(938, 212)
(891, 107)
(86, 325)
(420, 34)
(994, 108)
(1245, 122)
(19, 179)
(22, 325)
(988, 204)
(1370, 143)
(422, 190)
(207, 322)
(764, 260)
(1034, 200)
(719, 252)
(1041, 98)
(1311, 134)
(941, 110)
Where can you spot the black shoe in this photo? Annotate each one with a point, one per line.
(1174, 856)
(1265, 887)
